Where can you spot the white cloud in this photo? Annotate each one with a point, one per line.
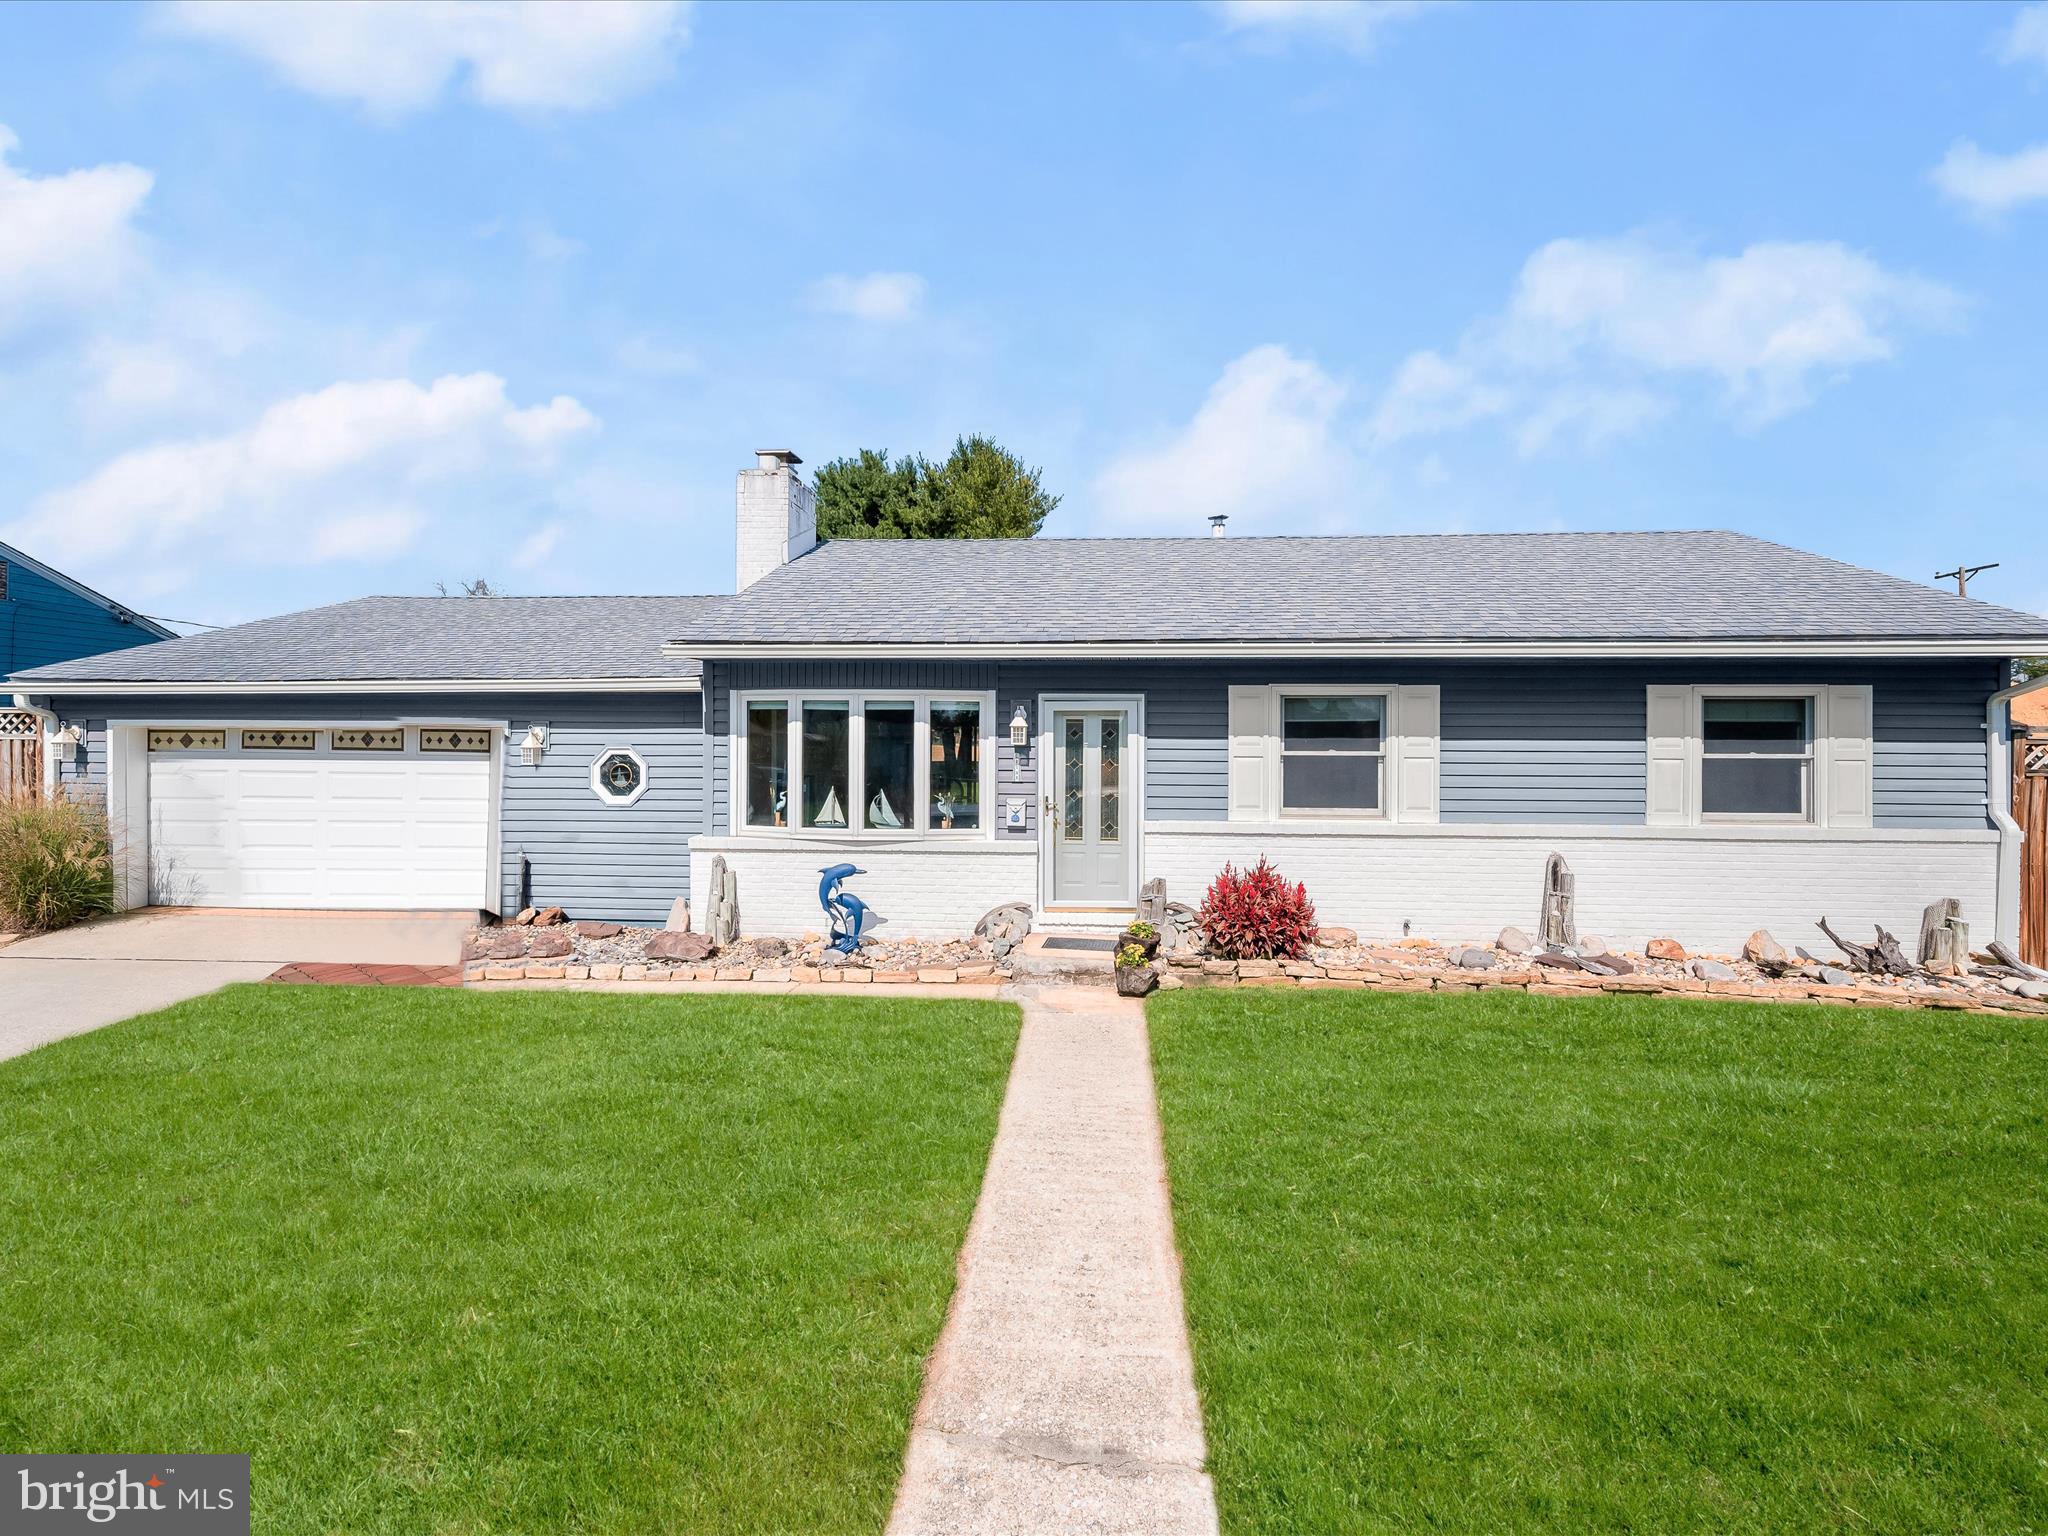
(1353, 25)
(66, 238)
(398, 56)
(372, 535)
(2027, 41)
(657, 359)
(1989, 183)
(1262, 446)
(1597, 332)
(297, 478)
(879, 296)
(538, 547)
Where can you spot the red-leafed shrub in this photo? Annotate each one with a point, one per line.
(1255, 914)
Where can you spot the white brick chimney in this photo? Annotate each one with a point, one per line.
(778, 515)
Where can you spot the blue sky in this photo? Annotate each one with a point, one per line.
(299, 303)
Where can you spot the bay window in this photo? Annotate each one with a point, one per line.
(876, 764)
(767, 775)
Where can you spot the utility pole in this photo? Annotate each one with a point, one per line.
(1962, 575)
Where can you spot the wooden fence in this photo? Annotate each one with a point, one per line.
(21, 754)
(2030, 810)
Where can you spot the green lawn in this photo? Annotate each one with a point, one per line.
(1493, 1262)
(461, 1262)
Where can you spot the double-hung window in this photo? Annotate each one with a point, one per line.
(1756, 757)
(879, 764)
(1333, 754)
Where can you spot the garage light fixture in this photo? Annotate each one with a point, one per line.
(534, 746)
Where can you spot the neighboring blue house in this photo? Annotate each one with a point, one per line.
(1718, 733)
(46, 617)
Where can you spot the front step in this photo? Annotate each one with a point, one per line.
(1070, 955)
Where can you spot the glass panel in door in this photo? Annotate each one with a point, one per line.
(1091, 854)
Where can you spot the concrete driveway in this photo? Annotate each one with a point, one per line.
(66, 983)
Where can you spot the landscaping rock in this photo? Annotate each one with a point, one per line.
(679, 915)
(1835, 976)
(550, 917)
(770, 949)
(723, 922)
(1332, 936)
(1665, 949)
(689, 947)
(1712, 970)
(605, 972)
(1514, 941)
(1766, 953)
(1591, 944)
(1557, 961)
(549, 946)
(525, 916)
(1475, 959)
(598, 930)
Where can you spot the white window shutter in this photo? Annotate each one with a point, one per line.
(1420, 716)
(1250, 721)
(1671, 724)
(1848, 801)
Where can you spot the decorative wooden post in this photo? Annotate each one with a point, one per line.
(1559, 924)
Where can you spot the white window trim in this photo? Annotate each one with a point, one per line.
(597, 784)
(1816, 697)
(857, 701)
(1843, 760)
(1389, 696)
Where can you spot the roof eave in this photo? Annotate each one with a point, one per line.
(1865, 645)
(47, 686)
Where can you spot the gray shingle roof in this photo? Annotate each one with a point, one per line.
(1422, 587)
(396, 639)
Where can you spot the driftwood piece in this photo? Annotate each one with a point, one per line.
(1937, 937)
(1891, 957)
(2002, 952)
(1559, 923)
(1860, 958)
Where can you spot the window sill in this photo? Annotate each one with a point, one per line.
(1572, 831)
(815, 841)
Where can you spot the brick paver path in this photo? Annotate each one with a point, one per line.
(333, 975)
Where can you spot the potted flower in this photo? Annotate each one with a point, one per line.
(1134, 974)
(1144, 936)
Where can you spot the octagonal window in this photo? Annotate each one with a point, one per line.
(619, 776)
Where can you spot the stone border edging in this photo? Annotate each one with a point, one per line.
(1545, 982)
(1180, 973)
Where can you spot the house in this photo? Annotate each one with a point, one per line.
(47, 617)
(1716, 732)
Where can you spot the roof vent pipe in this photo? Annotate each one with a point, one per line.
(1216, 522)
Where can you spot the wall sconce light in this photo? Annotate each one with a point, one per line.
(534, 745)
(1020, 730)
(64, 739)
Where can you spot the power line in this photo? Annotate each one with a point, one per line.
(1962, 575)
(191, 623)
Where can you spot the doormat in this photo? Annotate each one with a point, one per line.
(1092, 946)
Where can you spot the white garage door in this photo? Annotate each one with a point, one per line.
(313, 826)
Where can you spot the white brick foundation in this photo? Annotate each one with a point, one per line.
(924, 889)
(1708, 888)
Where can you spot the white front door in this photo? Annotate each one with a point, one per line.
(1087, 806)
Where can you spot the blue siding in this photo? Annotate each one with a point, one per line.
(625, 863)
(1523, 742)
(42, 623)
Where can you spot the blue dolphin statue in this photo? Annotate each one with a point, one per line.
(848, 913)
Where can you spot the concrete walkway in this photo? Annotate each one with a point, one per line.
(97, 973)
(1061, 1396)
